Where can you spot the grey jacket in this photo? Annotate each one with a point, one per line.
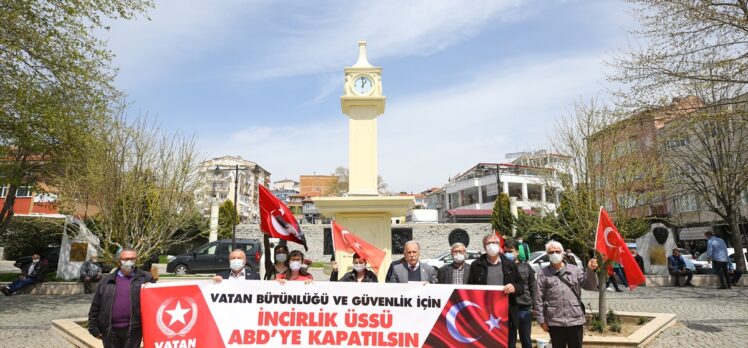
(555, 303)
(400, 273)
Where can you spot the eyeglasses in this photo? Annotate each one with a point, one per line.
(555, 252)
(489, 243)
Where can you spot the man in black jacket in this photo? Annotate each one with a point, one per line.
(457, 272)
(114, 316)
(31, 274)
(239, 270)
(525, 300)
(493, 268)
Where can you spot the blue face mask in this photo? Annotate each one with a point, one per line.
(509, 256)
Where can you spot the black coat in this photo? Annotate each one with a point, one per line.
(100, 314)
(38, 273)
(248, 274)
(369, 277)
(445, 274)
(479, 276)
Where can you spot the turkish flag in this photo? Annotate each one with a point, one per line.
(348, 242)
(472, 318)
(276, 219)
(501, 238)
(610, 244)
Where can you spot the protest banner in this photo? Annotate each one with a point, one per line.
(337, 314)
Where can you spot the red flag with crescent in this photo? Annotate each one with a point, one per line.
(610, 244)
(277, 220)
(345, 241)
(472, 318)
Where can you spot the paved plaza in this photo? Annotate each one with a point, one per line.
(707, 317)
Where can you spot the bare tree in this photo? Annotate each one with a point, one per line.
(341, 186)
(142, 181)
(707, 156)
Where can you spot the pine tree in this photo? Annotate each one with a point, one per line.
(501, 218)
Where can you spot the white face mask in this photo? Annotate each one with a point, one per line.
(492, 249)
(359, 267)
(34, 260)
(519, 241)
(127, 266)
(280, 257)
(236, 264)
(555, 258)
(294, 265)
(458, 258)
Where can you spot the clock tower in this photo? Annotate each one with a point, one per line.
(363, 211)
(362, 102)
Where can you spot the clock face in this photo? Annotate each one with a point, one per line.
(362, 85)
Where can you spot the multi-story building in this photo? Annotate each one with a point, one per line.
(688, 210)
(626, 167)
(32, 202)
(470, 196)
(218, 177)
(314, 186)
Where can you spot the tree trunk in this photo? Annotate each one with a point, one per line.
(737, 241)
(7, 212)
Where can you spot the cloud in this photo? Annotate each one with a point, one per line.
(424, 138)
(326, 38)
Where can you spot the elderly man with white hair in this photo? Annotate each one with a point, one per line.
(456, 272)
(560, 310)
(411, 269)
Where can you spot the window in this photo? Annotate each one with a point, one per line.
(469, 196)
(676, 143)
(3, 191)
(627, 200)
(489, 193)
(515, 190)
(685, 203)
(534, 192)
(597, 157)
(23, 191)
(209, 249)
(745, 196)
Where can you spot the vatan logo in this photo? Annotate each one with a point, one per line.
(172, 315)
(492, 322)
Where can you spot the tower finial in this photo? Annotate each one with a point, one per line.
(362, 62)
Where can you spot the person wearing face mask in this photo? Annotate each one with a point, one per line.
(523, 250)
(31, 274)
(114, 316)
(457, 272)
(90, 272)
(238, 271)
(411, 269)
(279, 266)
(294, 270)
(558, 304)
(494, 268)
(359, 273)
(525, 300)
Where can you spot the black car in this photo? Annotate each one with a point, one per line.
(214, 257)
(51, 255)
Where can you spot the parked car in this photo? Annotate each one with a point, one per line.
(702, 265)
(446, 258)
(213, 257)
(731, 256)
(52, 255)
(539, 259)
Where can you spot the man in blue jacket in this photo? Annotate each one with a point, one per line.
(677, 268)
(716, 251)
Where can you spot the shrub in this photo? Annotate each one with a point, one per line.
(642, 320)
(596, 324)
(614, 326)
(26, 235)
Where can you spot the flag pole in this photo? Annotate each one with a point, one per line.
(332, 237)
(597, 230)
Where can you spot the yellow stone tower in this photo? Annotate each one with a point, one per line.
(363, 211)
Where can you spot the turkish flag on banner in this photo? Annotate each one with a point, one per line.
(472, 318)
(348, 242)
(610, 244)
(276, 219)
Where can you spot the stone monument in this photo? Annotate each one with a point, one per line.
(363, 211)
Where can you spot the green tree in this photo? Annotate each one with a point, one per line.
(501, 217)
(227, 217)
(55, 78)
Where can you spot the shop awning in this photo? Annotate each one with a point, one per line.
(693, 233)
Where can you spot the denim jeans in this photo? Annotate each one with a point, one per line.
(19, 284)
(525, 322)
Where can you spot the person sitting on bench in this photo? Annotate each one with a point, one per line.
(677, 268)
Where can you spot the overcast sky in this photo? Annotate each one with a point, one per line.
(466, 81)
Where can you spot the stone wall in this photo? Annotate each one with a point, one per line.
(434, 238)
